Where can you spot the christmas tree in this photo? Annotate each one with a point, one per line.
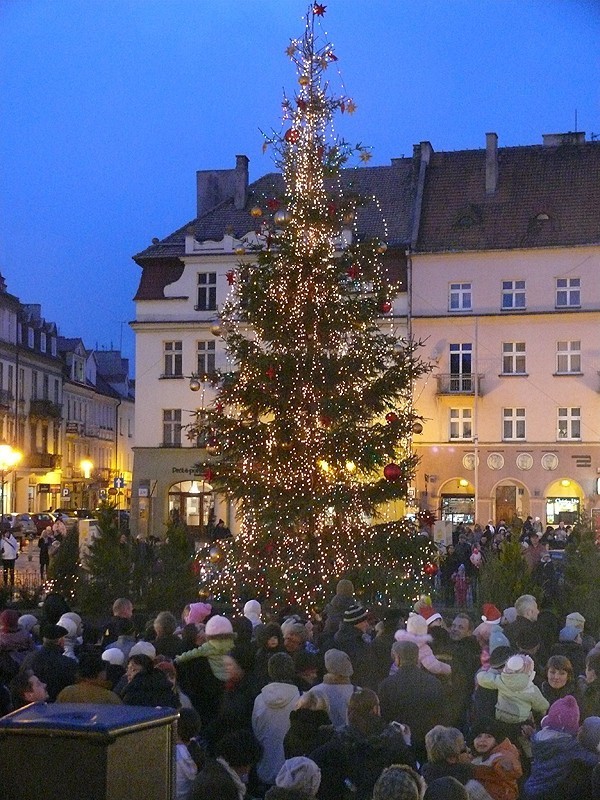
(313, 424)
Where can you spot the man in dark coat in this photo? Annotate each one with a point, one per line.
(49, 664)
(527, 613)
(352, 638)
(412, 695)
(225, 778)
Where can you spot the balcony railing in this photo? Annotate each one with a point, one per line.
(44, 409)
(42, 461)
(459, 383)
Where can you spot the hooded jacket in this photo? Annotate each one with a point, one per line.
(270, 723)
(518, 696)
(554, 755)
(499, 773)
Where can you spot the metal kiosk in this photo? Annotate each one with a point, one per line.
(76, 751)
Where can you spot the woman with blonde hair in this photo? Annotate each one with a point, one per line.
(310, 724)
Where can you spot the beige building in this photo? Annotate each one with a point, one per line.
(506, 297)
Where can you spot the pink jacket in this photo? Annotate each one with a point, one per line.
(426, 657)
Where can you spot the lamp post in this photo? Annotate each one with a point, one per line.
(9, 458)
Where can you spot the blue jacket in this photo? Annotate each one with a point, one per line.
(554, 755)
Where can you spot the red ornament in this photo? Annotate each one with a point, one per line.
(230, 275)
(430, 569)
(319, 10)
(392, 472)
(331, 209)
(291, 135)
(219, 407)
(302, 104)
(331, 56)
(386, 307)
(325, 421)
(353, 272)
(271, 372)
(273, 204)
(208, 475)
(391, 417)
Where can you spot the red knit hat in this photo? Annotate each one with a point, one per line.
(429, 614)
(491, 614)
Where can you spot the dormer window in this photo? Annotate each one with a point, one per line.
(53, 345)
(30, 338)
(43, 342)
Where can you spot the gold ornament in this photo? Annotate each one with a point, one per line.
(215, 554)
(351, 107)
(239, 251)
(216, 330)
(303, 80)
(381, 247)
(256, 212)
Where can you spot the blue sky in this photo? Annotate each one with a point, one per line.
(108, 108)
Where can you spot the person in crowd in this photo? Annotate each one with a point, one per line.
(196, 613)
(412, 695)
(15, 644)
(560, 680)
(114, 660)
(70, 641)
(577, 620)
(50, 664)
(534, 552)
(271, 716)
(166, 666)
(555, 752)
(355, 756)
(92, 684)
(588, 689)
(146, 686)
(390, 620)
(399, 782)
(527, 612)
(122, 609)
(27, 688)
(226, 776)
(354, 639)
(237, 702)
(310, 724)
(253, 612)
(570, 645)
(446, 788)
(466, 661)
(167, 643)
(298, 779)
(449, 756)
(337, 685)
(201, 672)
(269, 640)
(333, 613)
(417, 632)
(186, 769)
(500, 759)
(296, 638)
(9, 548)
(44, 543)
(31, 625)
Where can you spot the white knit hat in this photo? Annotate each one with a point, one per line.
(112, 655)
(299, 773)
(143, 649)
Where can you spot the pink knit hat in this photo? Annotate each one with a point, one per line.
(563, 715)
(198, 612)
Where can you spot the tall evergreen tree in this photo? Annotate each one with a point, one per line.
(313, 426)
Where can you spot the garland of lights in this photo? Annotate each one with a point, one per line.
(312, 425)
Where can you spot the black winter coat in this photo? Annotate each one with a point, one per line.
(149, 689)
(308, 730)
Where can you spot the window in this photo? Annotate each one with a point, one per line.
(172, 427)
(461, 426)
(45, 387)
(569, 423)
(568, 292)
(207, 291)
(513, 423)
(513, 358)
(568, 357)
(460, 297)
(30, 337)
(34, 385)
(43, 342)
(461, 367)
(513, 295)
(53, 345)
(57, 391)
(206, 358)
(173, 360)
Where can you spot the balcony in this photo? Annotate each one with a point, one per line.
(459, 383)
(44, 409)
(48, 461)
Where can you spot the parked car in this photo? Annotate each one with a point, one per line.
(21, 525)
(42, 519)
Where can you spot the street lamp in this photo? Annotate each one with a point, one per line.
(86, 467)
(9, 458)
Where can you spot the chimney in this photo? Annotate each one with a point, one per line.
(491, 163)
(213, 186)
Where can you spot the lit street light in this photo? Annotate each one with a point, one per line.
(9, 458)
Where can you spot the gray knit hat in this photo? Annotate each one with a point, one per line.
(398, 782)
(338, 663)
(299, 773)
(281, 668)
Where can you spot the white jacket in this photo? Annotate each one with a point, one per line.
(270, 723)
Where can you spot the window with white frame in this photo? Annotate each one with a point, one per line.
(171, 427)
(43, 342)
(207, 291)
(513, 423)
(461, 298)
(513, 358)
(569, 423)
(53, 346)
(461, 423)
(513, 295)
(34, 385)
(568, 292)
(30, 337)
(206, 357)
(568, 357)
(173, 363)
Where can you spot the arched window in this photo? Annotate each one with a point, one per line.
(192, 502)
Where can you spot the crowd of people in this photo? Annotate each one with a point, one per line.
(400, 704)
